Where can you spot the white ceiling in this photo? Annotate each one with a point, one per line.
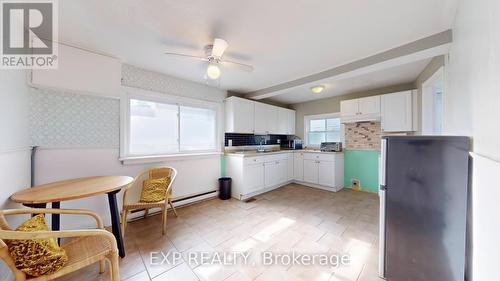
(402, 74)
(284, 40)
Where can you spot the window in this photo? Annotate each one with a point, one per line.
(322, 128)
(162, 127)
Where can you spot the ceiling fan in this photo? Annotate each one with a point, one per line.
(213, 55)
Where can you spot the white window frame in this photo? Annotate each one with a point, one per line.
(129, 93)
(307, 120)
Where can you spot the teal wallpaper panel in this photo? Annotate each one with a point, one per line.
(362, 165)
(61, 119)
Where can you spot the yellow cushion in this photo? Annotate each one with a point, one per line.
(37, 257)
(154, 190)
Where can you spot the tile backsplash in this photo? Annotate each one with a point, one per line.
(250, 139)
(363, 136)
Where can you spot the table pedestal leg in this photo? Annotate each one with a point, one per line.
(56, 224)
(115, 222)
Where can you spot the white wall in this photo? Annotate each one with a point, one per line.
(72, 154)
(14, 151)
(194, 175)
(471, 107)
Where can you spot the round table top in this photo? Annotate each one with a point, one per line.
(70, 189)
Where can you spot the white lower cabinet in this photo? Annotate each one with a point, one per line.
(290, 166)
(258, 174)
(310, 171)
(298, 166)
(323, 169)
(326, 173)
(254, 177)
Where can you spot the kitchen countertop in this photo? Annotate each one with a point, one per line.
(251, 153)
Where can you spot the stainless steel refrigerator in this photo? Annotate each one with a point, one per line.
(423, 208)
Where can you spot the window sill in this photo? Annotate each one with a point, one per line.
(163, 158)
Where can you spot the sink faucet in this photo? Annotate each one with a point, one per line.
(261, 148)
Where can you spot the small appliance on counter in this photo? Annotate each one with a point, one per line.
(293, 143)
(331, 146)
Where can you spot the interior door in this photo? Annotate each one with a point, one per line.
(254, 177)
(326, 173)
(311, 171)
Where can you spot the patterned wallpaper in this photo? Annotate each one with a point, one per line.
(363, 136)
(133, 76)
(61, 119)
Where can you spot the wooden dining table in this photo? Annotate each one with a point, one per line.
(56, 192)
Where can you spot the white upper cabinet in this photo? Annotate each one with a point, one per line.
(239, 115)
(82, 72)
(286, 121)
(349, 108)
(250, 117)
(358, 110)
(262, 115)
(397, 112)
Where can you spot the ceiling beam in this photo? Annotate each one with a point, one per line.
(428, 47)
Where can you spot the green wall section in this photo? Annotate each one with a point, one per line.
(361, 165)
(222, 166)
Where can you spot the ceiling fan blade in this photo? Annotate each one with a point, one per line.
(238, 65)
(186, 56)
(219, 47)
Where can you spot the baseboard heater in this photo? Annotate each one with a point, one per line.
(184, 201)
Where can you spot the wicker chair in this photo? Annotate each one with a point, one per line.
(87, 246)
(132, 194)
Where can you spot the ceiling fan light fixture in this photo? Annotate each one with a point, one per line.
(213, 71)
(317, 89)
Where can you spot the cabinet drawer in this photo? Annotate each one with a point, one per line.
(319, 156)
(253, 160)
(276, 157)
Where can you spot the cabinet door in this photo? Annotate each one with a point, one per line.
(270, 175)
(326, 173)
(369, 105)
(291, 120)
(260, 116)
(254, 177)
(290, 166)
(239, 115)
(282, 171)
(272, 119)
(298, 166)
(349, 108)
(397, 112)
(311, 171)
(283, 121)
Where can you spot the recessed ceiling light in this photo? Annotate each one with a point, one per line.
(317, 89)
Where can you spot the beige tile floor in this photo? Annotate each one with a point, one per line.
(292, 218)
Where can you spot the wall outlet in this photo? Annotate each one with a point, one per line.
(355, 184)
